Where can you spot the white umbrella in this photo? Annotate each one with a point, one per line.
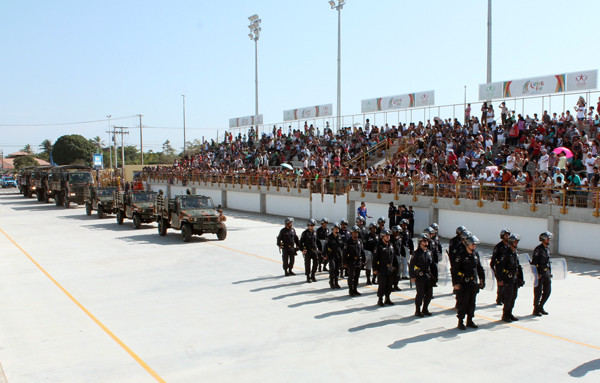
(287, 166)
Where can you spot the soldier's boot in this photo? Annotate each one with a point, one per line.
(356, 291)
(380, 302)
(470, 323)
(368, 277)
(312, 278)
(325, 267)
(461, 325)
(319, 267)
(418, 312)
(374, 279)
(513, 318)
(308, 279)
(351, 291)
(536, 311)
(388, 301)
(335, 283)
(426, 310)
(331, 283)
(542, 311)
(291, 272)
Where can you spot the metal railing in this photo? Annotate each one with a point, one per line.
(482, 192)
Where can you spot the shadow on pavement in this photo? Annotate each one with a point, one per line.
(297, 293)
(278, 286)
(446, 334)
(372, 307)
(258, 279)
(321, 300)
(382, 323)
(583, 369)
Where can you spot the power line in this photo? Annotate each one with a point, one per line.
(68, 123)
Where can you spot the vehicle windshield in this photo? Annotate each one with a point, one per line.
(81, 178)
(196, 203)
(142, 197)
(106, 192)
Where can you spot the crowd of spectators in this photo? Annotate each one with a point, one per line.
(496, 149)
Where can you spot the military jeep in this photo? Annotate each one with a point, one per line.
(25, 183)
(192, 214)
(100, 199)
(39, 180)
(66, 184)
(137, 205)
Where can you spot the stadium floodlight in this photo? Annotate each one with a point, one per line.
(338, 8)
(255, 35)
(253, 17)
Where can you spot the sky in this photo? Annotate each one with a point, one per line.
(67, 65)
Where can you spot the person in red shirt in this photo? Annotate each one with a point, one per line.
(452, 159)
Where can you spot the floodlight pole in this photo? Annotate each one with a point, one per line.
(255, 35)
(338, 8)
(184, 142)
(489, 43)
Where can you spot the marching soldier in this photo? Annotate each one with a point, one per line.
(392, 212)
(408, 248)
(355, 259)
(467, 278)
(345, 236)
(288, 243)
(541, 261)
(308, 245)
(384, 267)
(334, 248)
(362, 230)
(370, 242)
(397, 244)
(322, 234)
(436, 251)
(381, 225)
(420, 274)
(510, 275)
(499, 249)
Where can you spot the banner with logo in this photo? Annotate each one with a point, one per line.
(569, 82)
(308, 113)
(583, 80)
(245, 121)
(404, 101)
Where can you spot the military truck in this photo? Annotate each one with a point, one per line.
(192, 214)
(39, 179)
(137, 205)
(24, 182)
(68, 182)
(100, 199)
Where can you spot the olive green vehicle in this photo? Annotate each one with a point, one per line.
(137, 205)
(192, 214)
(67, 183)
(100, 199)
(39, 180)
(24, 182)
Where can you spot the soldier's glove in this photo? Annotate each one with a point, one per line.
(482, 285)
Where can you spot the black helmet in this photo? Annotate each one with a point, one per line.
(381, 220)
(396, 229)
(423, 237)
(289, 220)
(372, 225)
(460, 229)
(335, 224)
(465, 234)
(434, 226)
(546, 235)
(311, 222)
(386, 232)
(360, 218)
(324, 220)
(471, 240)
(514, 238)
(354, 229)
(343, 222)
(429, 230)
(504, 231)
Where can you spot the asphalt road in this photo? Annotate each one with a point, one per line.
(87, 300)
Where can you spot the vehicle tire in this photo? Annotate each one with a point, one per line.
(40, 195)
(88, 208)
(222, 233)
(67, 203)
(120, 217)
(57, 199)
(162, 227)
(137, 221)
(186, 232)
(100, 212)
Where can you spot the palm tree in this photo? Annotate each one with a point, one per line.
(27, 149)
(97, 141)
(46, 146)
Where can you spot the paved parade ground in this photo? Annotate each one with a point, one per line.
(87, 300)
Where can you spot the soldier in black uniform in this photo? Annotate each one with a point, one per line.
(411, 221)
(397, 244)
(420, 274)
(362, 230)
(510, 275)
(408, 249)
(392, 212)
(354, 260)
(455, 247)
(436, 251)
(385, 264)
(310, 250)
(288, 243)
(541, 261)
(345, 235)
(467, 278)
(380, 225)
(334, 248)
(322, 234)
(496, 254)
(370, 243)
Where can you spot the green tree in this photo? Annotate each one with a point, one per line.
(23, 161)
(98, 143)
(73, 148)
(27, 149)
(45, 148)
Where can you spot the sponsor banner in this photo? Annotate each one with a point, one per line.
(308, 113)
(245, 121)
(404, 101)
(583, 80)
(491, 91)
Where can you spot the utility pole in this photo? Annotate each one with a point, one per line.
(141, 140)
(109, 146)
(122, 131)
(184, 143)
(2, 157)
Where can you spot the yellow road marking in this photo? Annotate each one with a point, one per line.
(440, 306)
(89, 314)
